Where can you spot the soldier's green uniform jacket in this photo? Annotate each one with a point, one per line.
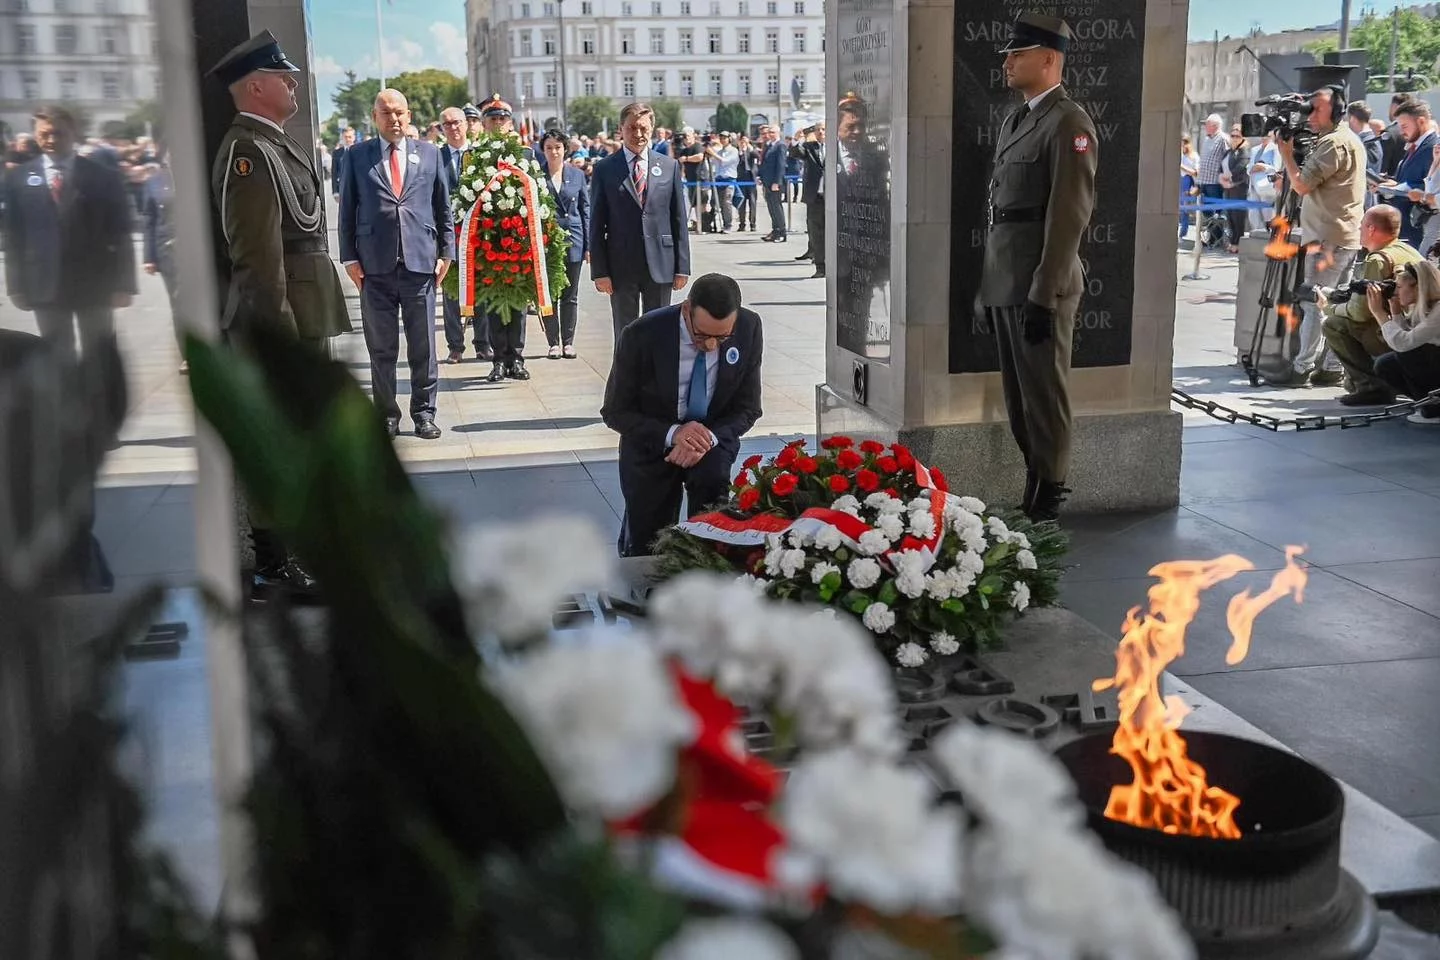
(1042, 192)
(273, 211)
(1383, 264)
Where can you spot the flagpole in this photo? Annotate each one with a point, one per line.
(380, 42)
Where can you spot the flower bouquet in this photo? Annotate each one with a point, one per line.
(869, 530)
(510, 248)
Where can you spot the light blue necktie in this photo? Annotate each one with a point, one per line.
(699, 403)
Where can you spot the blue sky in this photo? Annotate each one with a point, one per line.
(431, 33)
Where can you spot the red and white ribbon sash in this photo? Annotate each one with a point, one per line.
(469, 240)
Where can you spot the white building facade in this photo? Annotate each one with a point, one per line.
(98, 55)
(699, 52)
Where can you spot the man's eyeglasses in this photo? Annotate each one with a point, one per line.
(698, 337)
(452, 123)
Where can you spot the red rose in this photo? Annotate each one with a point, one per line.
(938, 480)
(784, 485)
(839, 484)
(837, 443)
(486, 245)
(514, 268)
(787, 458)
(888, 464)
(752, 462)
(872, 446)
(490, 257)
(742, 478)
(893, 492)
(488, 281)
(807, 464)
(749, 499)
(848, 460)
(487, 224)
(868, 481)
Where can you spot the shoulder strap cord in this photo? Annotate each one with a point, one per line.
(285, 190)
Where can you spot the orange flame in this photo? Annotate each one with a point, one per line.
(1280, 246)
(1290, 315)
(1171, 792)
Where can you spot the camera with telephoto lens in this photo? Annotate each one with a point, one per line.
(1286, 115)
(1355, 288)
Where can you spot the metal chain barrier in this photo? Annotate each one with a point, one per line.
(1349, 421)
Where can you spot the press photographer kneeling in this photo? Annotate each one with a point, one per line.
(1351, 325)
(1411, 329)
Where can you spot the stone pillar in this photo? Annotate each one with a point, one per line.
(904, 360)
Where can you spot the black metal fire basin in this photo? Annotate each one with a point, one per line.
(1278, 891)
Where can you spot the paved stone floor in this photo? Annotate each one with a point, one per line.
(1349, 678)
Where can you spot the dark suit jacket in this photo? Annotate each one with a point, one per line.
(376, 226)
(1393, 148)
(772, 164)
(572, 204)
(810, 153)
(643, 391)
(156, 204)
(75, 254)
(1411, 172)
(452, 182)
(337, 167)
(630, 245)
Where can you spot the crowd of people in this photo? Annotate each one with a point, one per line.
(1369, 193)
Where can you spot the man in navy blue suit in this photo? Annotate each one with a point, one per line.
(396, 242)
(1418, 127)
(639, 238)
(772, 183)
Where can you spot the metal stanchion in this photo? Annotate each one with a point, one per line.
(1200, 219)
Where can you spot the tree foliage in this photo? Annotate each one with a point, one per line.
(588, 115)
(428, 92)
(669, 113)
(732, 118)
(134, 126)
(1416, 52)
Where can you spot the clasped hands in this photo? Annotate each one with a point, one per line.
(691, 442)
(1037, 323)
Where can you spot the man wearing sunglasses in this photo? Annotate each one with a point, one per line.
(683, 389)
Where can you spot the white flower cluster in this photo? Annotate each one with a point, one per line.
(728, 938)
(482, 163)
(1036, 879)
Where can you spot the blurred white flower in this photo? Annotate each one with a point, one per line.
(835, 683)
(1020, 596)
(524, 211)
(605, 716)
(891, 525)
(513, 577)
(997, 528)
(509, 190)
(911, 655)
(884, 504)
(873, 832)
(863, 572)
(1025, 560)
(878, 618)
(488, 207)
(922, 524)
(909, 572)
(1008, 782)
(758, 584)
(728, 938)
(486, 196)
(971, 504)
(822, 570)
(944, 644)
(829, 539)
(1016, 538)
(467, 193)
(873, 543)
(545, 213)
(797, 538)
(847, 504)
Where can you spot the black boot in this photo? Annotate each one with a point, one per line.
(497, 373)
(278, 575)
(1045, 504)
(1032, 482)
(517, 371)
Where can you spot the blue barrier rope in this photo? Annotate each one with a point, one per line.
(1226, 205)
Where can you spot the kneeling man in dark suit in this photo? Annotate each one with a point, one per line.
(683, 390)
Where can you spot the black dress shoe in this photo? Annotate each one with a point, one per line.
(768, 238)
(497, 373)
(517, 371)
(288, 581)
(426, 429)
(392, 426)
(1368, 398)
(1045, 502)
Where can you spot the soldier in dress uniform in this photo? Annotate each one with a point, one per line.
(506, 334)
(272, 209)
(1042, 193)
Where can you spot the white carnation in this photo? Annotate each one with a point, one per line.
(513, 577)
(874, 542)
(1007, 781)
(909, 572)
(509, 190)
(822, 570)
(874, 833)
(938, 585)
(797, 538)
(891, 525)
(545, 213)
(467, 193)
(829, 539)
(863, 572)
(488, 207)
(884, 504)
(922, 524)
(911, 655)
(1025, 560)
(997, 528)
(728, 938)
(847, 504)
(944, 644)
(973, 540)
(604, 715)
(792, 562)
(1020, 596)
(970, 561)
(486, 196)
(879, 618)
(971, 504)
(523, 211)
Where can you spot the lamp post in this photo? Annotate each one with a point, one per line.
(1345, 25)
(560, 8)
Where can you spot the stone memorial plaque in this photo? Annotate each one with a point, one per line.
(1103, 73)
(860, 145)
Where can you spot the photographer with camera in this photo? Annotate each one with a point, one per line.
(1352, 321)
(1411, 330)
(1332, 185)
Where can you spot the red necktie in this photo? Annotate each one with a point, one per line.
(640, 177)
(395, 183)
(57, 182)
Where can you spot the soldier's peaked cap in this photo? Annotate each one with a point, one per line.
(260, 52)
(496, 107)
(471, 111)
(1032, 30)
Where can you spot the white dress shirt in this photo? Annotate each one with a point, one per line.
(53, 165)
(398, 146)
(687, 365)
(1034, 102)
(265, 120)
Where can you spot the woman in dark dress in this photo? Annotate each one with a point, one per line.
(572, 200)
(1236, 182)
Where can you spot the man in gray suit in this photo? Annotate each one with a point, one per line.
(396, 242)
(639, 238)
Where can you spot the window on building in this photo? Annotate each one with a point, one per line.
(717, 83)
(627, 9)
(657, 83)
(69, 85)
(714, 8)
(548, 44)
(587, 9)
(62, 6)
(109, 39)
(742, 41)
(687, 41)
(772, 41)
(799, 8)
(30, 84)
(105, 6)
(527, 44)
(744, 81)
(657, 41)
(771, 7)
(25, 38)
(687, 83)
(547, 10)
(772, 82)
(797, 41)
(588, 84)
(110, 85)
(714, 41)
(744, 8)
(684, 8)
(550, 86)
(524, 11)
(587, 42)
(654, 8)
(627, 42)
(627, 85)
(65, 39)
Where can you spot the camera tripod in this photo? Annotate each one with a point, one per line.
(1282, 282)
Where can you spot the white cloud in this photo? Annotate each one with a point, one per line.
(449, 46)
(327, 67)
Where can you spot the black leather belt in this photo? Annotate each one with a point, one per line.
(1017, 215)
(307, 245)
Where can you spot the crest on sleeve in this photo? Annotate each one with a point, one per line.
(1082, 144)
(243, 166)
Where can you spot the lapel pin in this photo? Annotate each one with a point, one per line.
(414, 158)
(732, 356)
(655, 171)
(35, 180)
